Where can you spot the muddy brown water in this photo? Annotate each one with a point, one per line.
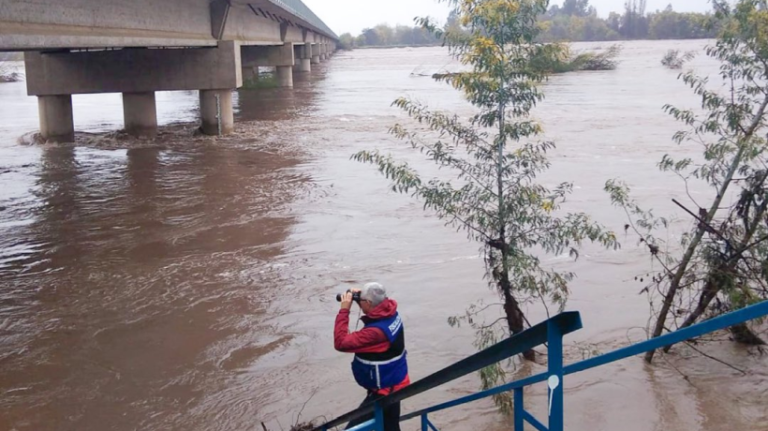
(188, 283)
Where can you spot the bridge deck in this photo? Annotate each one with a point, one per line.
(77, 24)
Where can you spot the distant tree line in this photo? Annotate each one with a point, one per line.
(385, 35)
(574, 21)
(577, 21)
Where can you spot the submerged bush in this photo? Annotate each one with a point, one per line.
(673, 60)
(592, 61)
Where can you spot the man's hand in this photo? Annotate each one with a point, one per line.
(346, 301)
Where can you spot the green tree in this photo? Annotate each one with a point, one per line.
(404, 35)
(576, 8)
(386, 34)
(673, 25)
(634, 22)
(553, 11)
(496, 158)
(452, 24)
(721, 263)
(614, 22)
(346, 41)
(371, 37)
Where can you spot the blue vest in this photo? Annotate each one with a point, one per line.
(383, 370)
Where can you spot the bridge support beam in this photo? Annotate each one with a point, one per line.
(56, 120)
(137, 73)
(282, 58)
(140, 114)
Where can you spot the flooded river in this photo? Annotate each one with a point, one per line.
(188, 283)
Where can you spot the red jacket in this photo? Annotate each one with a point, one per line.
(366, 340)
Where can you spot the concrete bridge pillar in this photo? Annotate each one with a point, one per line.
(216, 111)
(315, 54)
(56, 120)
(140, 114)
(298, 52)
(285, 76)
(306, 65)
(303, 58)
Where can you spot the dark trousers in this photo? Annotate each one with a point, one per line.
(391, 414)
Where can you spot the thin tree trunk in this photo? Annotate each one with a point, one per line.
(675, 285)
(716, 277)
(711, 289)
(515, 316)
(683, 268)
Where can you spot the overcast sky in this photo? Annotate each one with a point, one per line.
(355, 15)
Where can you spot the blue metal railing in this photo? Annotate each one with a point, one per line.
(550, 332)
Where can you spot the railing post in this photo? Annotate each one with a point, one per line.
(555, 382)
(378, 424)
(424, 422)
(519, 406)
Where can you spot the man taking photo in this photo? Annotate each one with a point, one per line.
(380, 365)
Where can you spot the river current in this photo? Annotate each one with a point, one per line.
(188, 283)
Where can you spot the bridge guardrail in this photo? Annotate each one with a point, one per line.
(298, 8)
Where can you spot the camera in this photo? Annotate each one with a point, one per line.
(355, 296)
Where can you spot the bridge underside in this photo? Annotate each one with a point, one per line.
(79, 24)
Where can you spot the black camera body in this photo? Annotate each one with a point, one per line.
(355, 296)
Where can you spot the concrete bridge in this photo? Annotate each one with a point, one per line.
(138, 47)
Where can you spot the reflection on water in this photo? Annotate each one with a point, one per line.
(136, 267)
(187, 282)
